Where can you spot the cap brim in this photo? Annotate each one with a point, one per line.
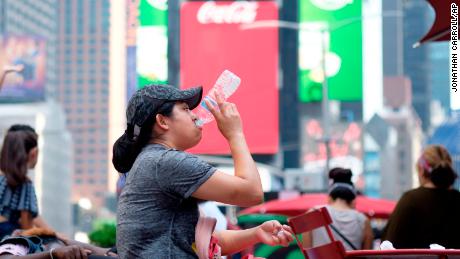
(192, 96)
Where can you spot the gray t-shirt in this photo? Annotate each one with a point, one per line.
(156, 214)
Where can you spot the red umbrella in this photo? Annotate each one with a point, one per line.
(374, 208)
(440, 30)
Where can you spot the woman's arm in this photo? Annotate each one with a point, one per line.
(2, 78)
(95, 250)
(26, 219)
(368, 239)
(245, 187)
(39, 222)
(270, 233)
(307, 240)
(8, 69)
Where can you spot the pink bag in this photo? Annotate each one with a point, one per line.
(206, 244)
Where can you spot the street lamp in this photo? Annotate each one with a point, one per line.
(9, 69)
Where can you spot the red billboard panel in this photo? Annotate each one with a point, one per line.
(212, 40)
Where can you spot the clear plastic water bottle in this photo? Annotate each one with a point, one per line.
(226, 85)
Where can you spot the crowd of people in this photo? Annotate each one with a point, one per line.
(158, 213)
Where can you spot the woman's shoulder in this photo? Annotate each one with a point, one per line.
(343, 212)
(358, 214)
(3, 181)
(166, 158)
(174, 157)
(159, 151)
(29, 184)
(361, 216)
(153, 153)
(454, 193)
(419, 197)
(423, 192)
(413, 194)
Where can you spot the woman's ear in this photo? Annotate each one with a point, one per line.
(32, 157)
(161, 121)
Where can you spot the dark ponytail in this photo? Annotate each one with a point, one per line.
(443, 176)
(128, 147)
(342, 187)
(14, 155)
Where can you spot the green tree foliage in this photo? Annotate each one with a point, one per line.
(104, 233)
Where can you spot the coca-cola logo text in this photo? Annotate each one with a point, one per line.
(236, 12)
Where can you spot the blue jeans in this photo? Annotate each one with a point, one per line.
(7, 227)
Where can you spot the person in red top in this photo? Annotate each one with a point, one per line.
(430, 213)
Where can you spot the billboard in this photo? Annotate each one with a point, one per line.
(212, 40)
(28, 54)
(345, 147)
(336, 27)
(152, 42)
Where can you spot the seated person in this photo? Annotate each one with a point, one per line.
(350, 226)
(37, 243)
(429, 213)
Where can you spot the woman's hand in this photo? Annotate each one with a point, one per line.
(227, 117)
(273, 233)
(70, 252)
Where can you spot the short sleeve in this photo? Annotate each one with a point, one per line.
(28, 199)
(182, 173)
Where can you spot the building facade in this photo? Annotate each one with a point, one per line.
(35, 19)
(84, 92)
(39, 19)
(398, 173)
(406, 24)
(417, 60)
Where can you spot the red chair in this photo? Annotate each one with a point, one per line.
(310, 221)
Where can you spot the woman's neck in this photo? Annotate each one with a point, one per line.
(340, 204)
(162, 142)
(428, 184)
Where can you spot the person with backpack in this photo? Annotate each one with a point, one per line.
(350, 226)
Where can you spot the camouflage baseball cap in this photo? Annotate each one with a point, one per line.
(147, 101)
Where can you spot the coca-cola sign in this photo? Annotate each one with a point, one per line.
(211, 41)
(236, 12)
